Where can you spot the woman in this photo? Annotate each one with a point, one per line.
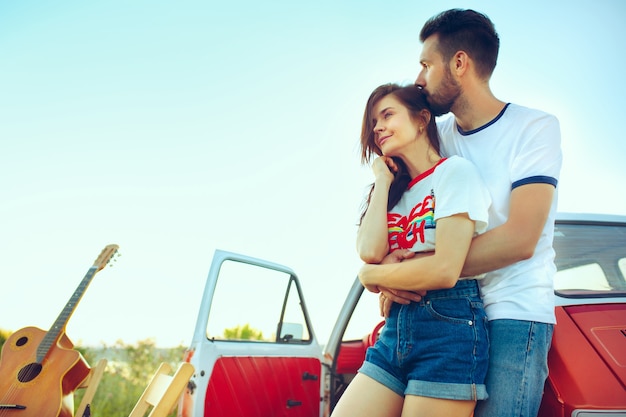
(431, 357)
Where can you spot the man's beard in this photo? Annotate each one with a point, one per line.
(441, 102)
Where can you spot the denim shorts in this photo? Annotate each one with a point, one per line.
(437, 347)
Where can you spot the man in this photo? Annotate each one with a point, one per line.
(517, 151)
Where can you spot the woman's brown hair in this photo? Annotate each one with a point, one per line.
(414, 99)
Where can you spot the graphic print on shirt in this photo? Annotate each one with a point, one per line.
(406, 231)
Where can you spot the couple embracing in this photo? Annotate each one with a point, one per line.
(456, 236)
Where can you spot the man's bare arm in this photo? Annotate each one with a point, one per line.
(517, 238)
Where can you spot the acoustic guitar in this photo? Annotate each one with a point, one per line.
(40, 370)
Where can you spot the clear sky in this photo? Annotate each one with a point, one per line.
(176, 128)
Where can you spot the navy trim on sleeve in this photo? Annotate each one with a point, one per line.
(538, 179)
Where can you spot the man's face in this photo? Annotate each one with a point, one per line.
(436, 79)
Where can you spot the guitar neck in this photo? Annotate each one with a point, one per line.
(58, 328)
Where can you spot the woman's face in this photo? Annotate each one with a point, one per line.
(394, 129)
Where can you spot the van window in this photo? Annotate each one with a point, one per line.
(590, 258)
(256, 304)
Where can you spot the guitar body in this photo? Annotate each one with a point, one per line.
(45, 389)
(39, 370)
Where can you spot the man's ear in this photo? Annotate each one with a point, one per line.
(460, 63)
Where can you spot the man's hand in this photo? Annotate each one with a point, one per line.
(397, 256)
(388, 295)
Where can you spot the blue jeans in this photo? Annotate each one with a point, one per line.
(518, 368)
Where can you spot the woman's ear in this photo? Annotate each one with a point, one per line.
(425, 116)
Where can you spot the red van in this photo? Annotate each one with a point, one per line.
(256, 354)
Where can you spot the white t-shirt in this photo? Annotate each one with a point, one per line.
(451, 187)
(520, 146)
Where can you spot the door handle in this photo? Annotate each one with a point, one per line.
(293, 403)
(307, 376)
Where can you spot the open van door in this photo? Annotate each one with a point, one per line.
(253, 348)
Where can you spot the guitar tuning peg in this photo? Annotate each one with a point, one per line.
(114, 258)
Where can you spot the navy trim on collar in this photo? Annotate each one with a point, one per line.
(485, 126)
(538, 179)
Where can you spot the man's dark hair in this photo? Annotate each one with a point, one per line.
(465, 30)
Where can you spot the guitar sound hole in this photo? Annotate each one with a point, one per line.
(21, 341)
(29, 372)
